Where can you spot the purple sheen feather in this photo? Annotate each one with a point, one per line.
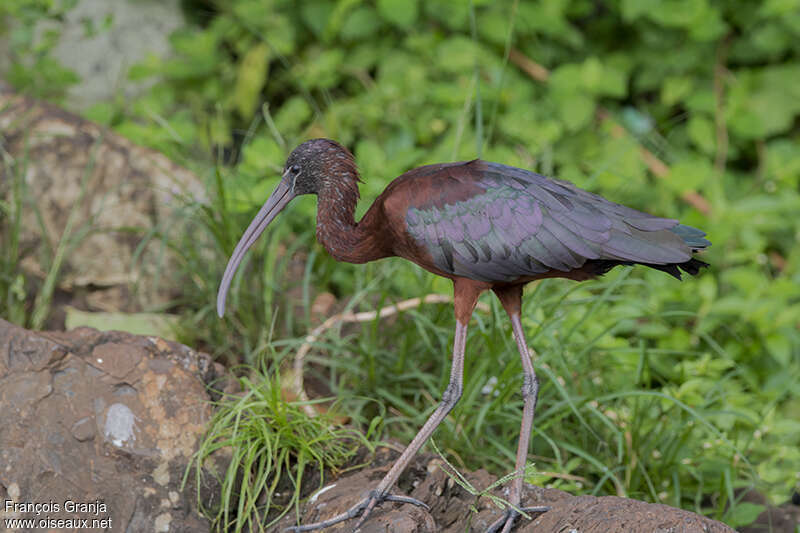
(548, 199)
(620, 226)
(561, 187)
(624, 254)
(464, 253)
(495, 243)
(515, 184)
(591, 235)
(534, 266)
(490, 272)
(505, 219)
(563, 200)
(651, 223)
(515, 265)
(596, 220)
(533, 216)
(477, 227)
(494, 209)
(515, 233)
(629, 212)
(489, 180)
(431, 234)
(412, 217)
(646, 248)
(520, 204)
(535, 248)
(555, 246)
(451, 229)
(570, 240)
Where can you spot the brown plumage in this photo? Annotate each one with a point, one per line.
(485, 226)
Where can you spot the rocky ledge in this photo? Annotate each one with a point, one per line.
(97, 428)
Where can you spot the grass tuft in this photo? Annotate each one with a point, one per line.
(275, 449)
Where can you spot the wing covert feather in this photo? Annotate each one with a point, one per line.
(524, 224)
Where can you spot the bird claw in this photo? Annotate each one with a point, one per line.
(363, 508)
(507, 520)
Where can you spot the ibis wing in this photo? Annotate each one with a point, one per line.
(524, 224)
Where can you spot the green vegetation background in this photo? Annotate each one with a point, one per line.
(680, 393)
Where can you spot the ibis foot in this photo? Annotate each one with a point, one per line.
(362, 509)
(507, 520)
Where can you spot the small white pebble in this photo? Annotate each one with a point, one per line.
(99, 361)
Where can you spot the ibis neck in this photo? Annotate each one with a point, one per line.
(344, 238)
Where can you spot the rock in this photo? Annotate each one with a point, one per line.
(124, 32)
(120, 191)
(454, 510)
(107, 421)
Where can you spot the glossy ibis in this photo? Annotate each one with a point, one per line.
(484, 226)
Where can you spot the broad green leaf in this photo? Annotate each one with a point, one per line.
(771, 8)
(323, 68)
(250, 80)
(764, 102)
(262, 156)
(292, 115)
(155, 324)
(744, 513)
(458, 54)
(689, 174)
(402, 13)
(576, 109)
(362, 23)
(702, 134)
(780, 348)
(675, 89)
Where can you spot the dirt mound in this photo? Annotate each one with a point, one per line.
(455, 510)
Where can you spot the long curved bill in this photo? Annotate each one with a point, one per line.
(281, 196)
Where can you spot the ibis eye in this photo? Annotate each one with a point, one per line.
(294, 169)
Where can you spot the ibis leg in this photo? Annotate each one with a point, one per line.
(511, 300)
(449, 399)
(381, 493)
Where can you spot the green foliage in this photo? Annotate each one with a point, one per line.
(31, 27)
(273, 443)
(672, 392)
